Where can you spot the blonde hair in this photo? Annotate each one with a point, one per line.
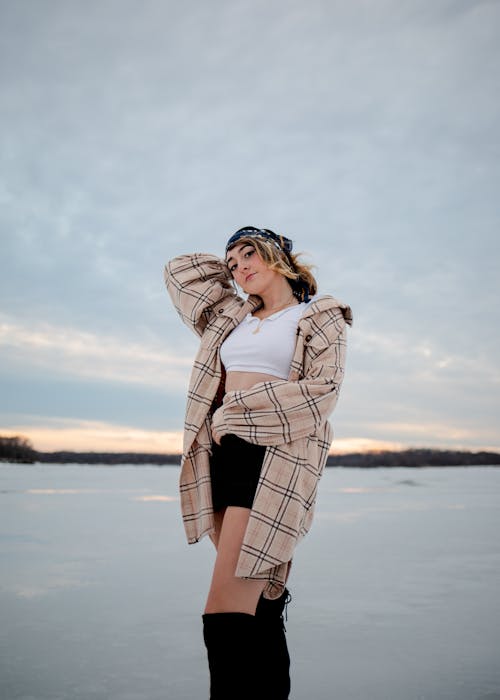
(298, 273)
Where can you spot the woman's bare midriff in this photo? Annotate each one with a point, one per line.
(245, 380)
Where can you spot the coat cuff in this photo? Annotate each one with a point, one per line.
(218, 422)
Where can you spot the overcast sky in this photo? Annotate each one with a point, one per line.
(133, 131)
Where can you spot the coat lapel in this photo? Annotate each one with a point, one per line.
(207, 369)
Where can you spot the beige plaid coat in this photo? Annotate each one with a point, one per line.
(289, 417)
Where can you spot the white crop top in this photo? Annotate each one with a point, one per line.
(269, 351)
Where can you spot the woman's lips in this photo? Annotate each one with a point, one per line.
(250, 276)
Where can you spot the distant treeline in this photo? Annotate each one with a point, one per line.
(16, 449)
(414, 457)
(19, 449)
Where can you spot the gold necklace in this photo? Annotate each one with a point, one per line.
(274, 310)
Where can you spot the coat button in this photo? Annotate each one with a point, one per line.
(221, 311)
(308, 338)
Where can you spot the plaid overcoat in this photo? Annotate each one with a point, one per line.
(289, 417)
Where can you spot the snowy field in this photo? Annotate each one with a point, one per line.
(395, 590)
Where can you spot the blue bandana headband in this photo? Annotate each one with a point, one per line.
(283, 244)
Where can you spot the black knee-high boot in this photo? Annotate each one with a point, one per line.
(232, 649)
(274, 656)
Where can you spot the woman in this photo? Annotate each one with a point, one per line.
(266, 377)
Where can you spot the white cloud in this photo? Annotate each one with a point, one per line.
(69, 351)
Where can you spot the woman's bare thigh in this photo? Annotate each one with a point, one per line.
(228, 593)
(218, 518)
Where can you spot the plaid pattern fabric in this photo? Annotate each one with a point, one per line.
(289, 417)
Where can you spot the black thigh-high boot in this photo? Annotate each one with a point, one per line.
(274, 657)
(232, 649)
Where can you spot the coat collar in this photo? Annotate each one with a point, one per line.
(321, 303)
(239, 307)
(327, 301)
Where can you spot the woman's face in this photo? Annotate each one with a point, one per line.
(248, 269)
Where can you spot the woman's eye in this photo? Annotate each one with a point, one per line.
(232, 268)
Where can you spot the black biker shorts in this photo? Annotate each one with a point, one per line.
(235, 467)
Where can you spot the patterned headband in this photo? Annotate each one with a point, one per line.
(283, 244)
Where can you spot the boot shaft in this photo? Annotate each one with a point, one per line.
(232, 650)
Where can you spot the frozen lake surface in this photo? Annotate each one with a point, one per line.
(395, 589)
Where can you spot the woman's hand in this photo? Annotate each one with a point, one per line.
(217, 426)
(215, 436)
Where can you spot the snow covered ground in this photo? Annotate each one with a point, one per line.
(395, 589)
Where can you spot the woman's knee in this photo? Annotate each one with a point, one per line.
(234, 595)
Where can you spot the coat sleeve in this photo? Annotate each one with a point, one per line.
(195, 282)
(279, 411)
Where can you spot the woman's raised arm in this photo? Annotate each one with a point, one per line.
(195, 282)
